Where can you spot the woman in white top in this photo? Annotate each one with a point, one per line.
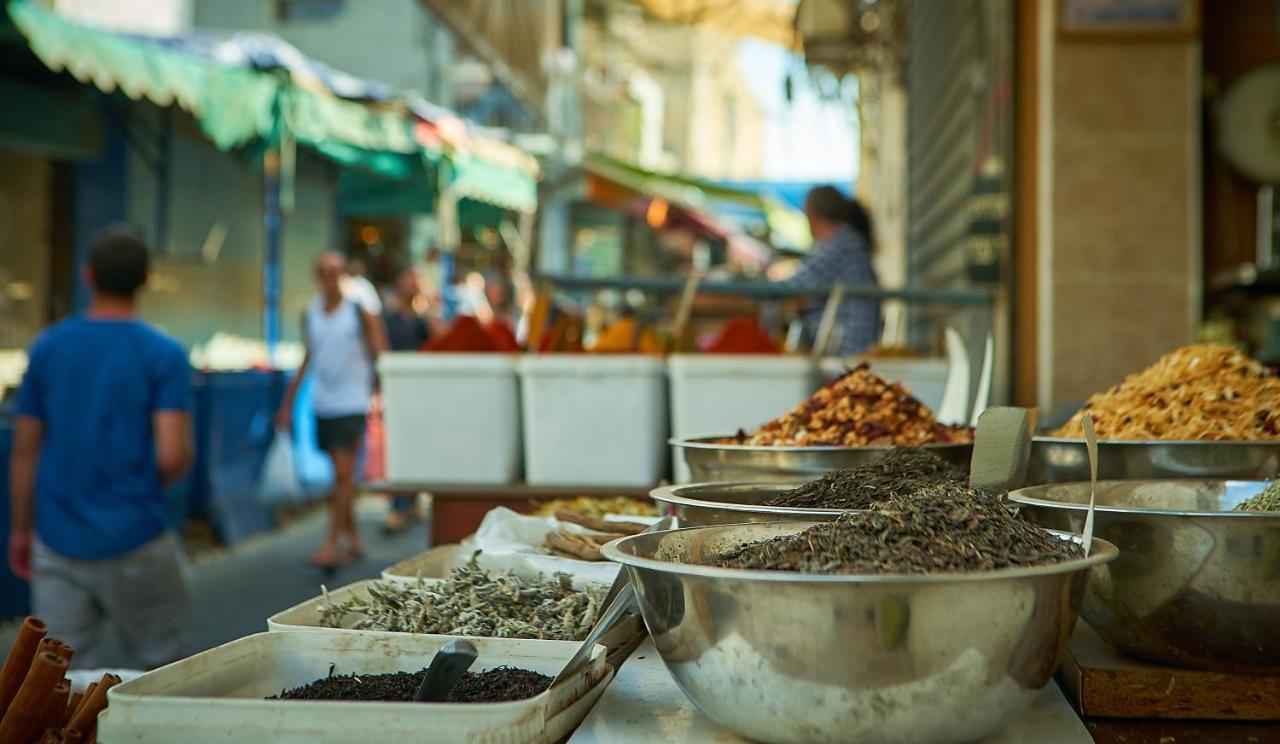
(343, 341)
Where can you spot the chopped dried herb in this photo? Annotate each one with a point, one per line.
(1267, 500)
(902, 471)
(943, 528)
(472, 602)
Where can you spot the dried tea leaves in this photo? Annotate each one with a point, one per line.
(1267, 500)
(471, 602)
(859, 409)
(499, 685)
(903, 471)
(944, 528)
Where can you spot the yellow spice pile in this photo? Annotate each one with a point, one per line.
(1198, 392)
(857, 410)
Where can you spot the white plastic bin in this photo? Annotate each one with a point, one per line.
(451, 418)
(926, 378)
(594, 420)
(217, 696)
(722, 393)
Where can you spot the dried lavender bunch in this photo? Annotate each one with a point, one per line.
(902, 471)
(474, 603)
(944, 528)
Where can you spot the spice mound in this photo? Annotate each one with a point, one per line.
(500, 685)
(1267, 500)
(1201, 392)
(942, 529)
(471, 602)
(902, 471)
(598, 506)
(857, 410)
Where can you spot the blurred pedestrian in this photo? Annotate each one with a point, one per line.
(407, 330)
(103, 426)
(342, 341)
(841, 252)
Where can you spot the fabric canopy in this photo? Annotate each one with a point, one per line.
(786, 223)
(213, 77)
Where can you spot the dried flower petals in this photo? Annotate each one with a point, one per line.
(1200, 392)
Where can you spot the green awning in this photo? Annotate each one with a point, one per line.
(233, 105)
(693, 193)
(474, 176)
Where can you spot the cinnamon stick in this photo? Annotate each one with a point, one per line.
(16, 666)
(55, 708)
(72, 706)
(85, 719)
(72, 737)
(21, 722)
(88, 691)
(53, 736)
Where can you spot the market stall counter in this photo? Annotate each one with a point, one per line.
(456, 511)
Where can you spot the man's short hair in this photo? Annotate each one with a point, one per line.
(119, 262)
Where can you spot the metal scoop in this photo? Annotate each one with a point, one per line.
(447, 667)
(1091, 444)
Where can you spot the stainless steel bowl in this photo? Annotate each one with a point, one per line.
(711, 461)
(787, 657)
(706, 504)
(1057, 460)
(1195, 585)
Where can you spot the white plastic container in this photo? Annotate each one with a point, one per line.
(721, 393)
(926, 378)
(594, 420)
(451, 418)
(217, 696)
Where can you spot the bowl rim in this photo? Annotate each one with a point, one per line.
(706, 442)
(671, 495)
(1103, 552)
(1206, 443)
(1021, 496)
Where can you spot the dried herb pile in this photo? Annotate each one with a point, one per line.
(474, 603)
(902, 471)
(1267, 500)
(944, 528)
(499, 685)
(857, 410)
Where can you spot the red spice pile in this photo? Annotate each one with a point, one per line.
(743, 336)
(466, 334)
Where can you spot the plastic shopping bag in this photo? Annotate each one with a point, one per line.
(279, 484)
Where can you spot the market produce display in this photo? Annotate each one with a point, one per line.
(467, 335)
(597, 506)
(472, 602)
(36, 704)
(858, 409)
(943, 528)
(902, 471)
(1267, 500)
(1200, 392)
(500, 685)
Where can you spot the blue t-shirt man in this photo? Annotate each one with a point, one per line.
(95, 384)
(103, 425)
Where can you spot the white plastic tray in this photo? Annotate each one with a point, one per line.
(217, 696)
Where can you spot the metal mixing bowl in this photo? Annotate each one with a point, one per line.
(1057, 460)
(1196, 585)
(712, 461)
(780, 656)
(706, 504)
